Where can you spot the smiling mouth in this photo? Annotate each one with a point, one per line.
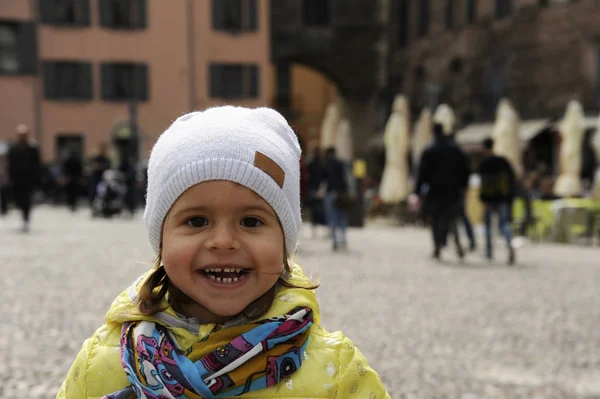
(226, 275)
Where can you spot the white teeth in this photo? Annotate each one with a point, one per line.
(236, 279)
(238, 270)
(212, 277)
(228, 280)
(219, 279)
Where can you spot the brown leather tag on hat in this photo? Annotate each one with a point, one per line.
(270, 167)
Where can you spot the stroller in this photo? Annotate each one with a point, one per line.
(110, 195)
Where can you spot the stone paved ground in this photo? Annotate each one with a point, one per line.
(450, 330)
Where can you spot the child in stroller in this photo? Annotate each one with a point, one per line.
(110, 194)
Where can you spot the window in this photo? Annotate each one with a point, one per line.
(123, 14)
(545, 3)
(423, 26)
(449, 14)
(65, 12)
(18, 48)
(403, 25)
(9, 55)
(233, 81)
(124, 81)
(503, 8)
(235, 15)
(67, 80)
(316, 12)
(471, 11)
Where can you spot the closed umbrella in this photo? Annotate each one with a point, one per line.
(423, 136)
(507, 142)
(329, 126)
(343, 143)
(445, 116)
(571, 131)
(394, 183)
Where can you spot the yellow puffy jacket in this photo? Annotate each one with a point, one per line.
(332, 368)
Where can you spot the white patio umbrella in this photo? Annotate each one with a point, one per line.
(596, 146)
(507, 142)
(445, 116)
(329, 126)
(571, 131)
(423, 136)
(394, 183)
(343, 142)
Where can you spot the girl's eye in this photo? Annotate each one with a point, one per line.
(197, 221)
(251, 222)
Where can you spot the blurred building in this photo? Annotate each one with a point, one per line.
(78, 71)
(468, 53)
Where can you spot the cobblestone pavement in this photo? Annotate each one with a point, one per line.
(449, 330)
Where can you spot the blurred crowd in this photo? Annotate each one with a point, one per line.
(106, 186)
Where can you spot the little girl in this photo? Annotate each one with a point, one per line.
(224, 313)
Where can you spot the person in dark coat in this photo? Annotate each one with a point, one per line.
(72, 171)
(337, 189)
(129, 173)
(463, 213)
(441, 184)
(316, 174)
(24, 172)
(498, 186)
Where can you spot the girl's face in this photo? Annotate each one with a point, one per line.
(222, 246)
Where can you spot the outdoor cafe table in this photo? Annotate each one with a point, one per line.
(574, 214)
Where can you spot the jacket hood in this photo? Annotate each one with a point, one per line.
(125, 309)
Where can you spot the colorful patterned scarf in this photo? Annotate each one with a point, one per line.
(258, 355)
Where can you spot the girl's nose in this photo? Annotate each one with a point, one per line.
(223, 237)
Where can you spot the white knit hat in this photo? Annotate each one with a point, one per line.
(253, 147)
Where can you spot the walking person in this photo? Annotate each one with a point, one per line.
(99, 164)
(441, 185)
(463, 217)
(225, 312)
(129, 174)
(72, 174)
(335, 194)
(316, 176)
(497, 193)
(24, 172)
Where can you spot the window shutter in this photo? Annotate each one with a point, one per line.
(423, 17)
(254, 81)
(50, 87)
(86, 82)
(140, 82)
(47, 16)
(471, 11)
(142, 12)
(84, 6)
(234, 14)
(107, 81)
(449, 14)
(106, 17)
(252, 15)
(216, 80)
(27, 48)
(218, 14)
